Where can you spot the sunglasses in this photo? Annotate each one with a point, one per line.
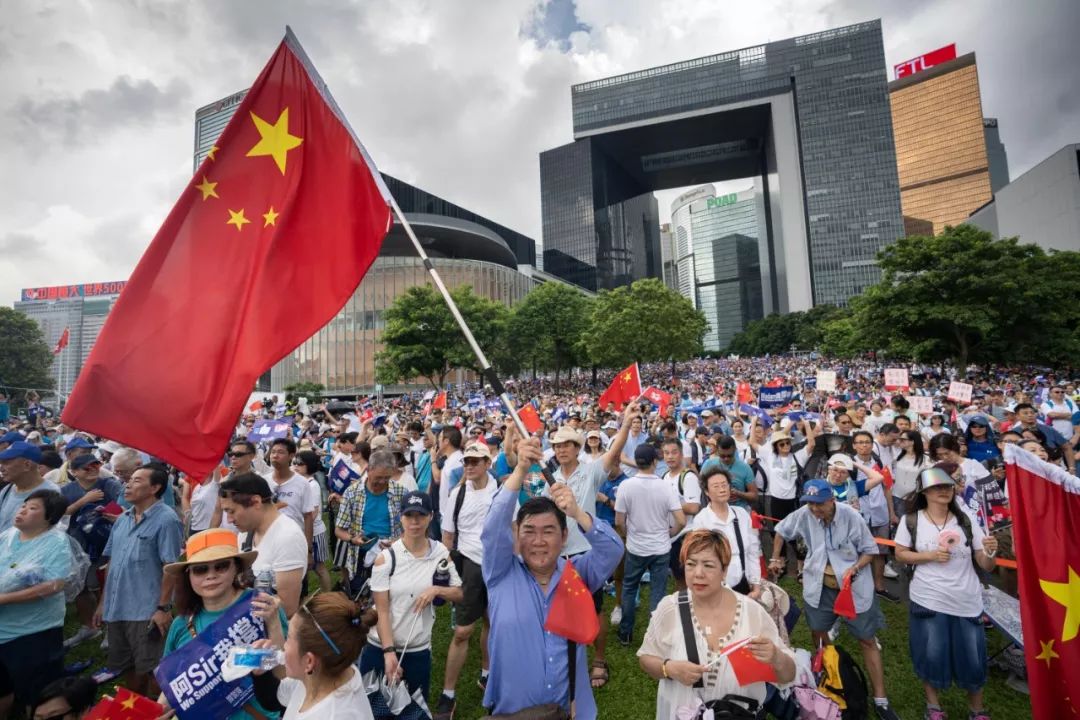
(304, 607)
(238, 454)
(472, 461)
(219, 567)
(297, 463)
(783, 443)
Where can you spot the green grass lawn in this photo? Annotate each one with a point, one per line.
(631, 694)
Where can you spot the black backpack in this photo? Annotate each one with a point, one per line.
(853, 687)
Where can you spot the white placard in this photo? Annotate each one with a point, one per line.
(826, 380)
(960, 392)
(921, 404)
(896, 378)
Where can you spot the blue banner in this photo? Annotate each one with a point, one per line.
(763, 417)
(798, 415)
(267, 430)
(560, 414)
(340, 478)
(810, 381)
(774, 397)
(190, 676)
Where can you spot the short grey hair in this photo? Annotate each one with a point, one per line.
(126, 456)
(382, 460)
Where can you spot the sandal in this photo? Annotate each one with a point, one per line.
(598, 674)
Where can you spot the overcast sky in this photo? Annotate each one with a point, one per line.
(99, 96)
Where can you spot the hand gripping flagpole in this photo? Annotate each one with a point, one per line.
(485, 367)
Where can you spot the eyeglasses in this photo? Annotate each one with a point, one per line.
(783, 443)
(297, 463)
(304, 607)
(470, 461)
(239, 454)
(219, 567)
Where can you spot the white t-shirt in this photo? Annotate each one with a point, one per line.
(691, 493)
(709, 520)
(314, 502)
(648, 503)
(1062, 425)
(295, 494)
(953, 587)
(203, 501)
(474, 510)
(783, 472)
(453, 460)
(408, 481)
(281, 549)
(348, 702)
(412, 576)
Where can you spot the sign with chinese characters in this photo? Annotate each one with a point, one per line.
(959, 392)
(896, 378)
(62, 292)
(826, 380)
(921, 404)
(923, 62)
(190, 676)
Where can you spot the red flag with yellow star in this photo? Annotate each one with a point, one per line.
(626, 387)
(1046, 512)
(572, 614)
(265, 245)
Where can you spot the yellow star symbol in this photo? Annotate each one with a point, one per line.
(270, 217)
(237, 219)
(627, 377)
(1047, 653)
(1067, 594)
(207, 188)
(276, 140)
(210, 153)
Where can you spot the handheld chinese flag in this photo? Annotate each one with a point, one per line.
(287, 194)
(133, 706)
(572, 614)
(440, 401)
(744, 393)
(106, 709)
(1046, 512)
(530, 419)
(747, 668)
(626, 387)
(62, 343)
(658, 397)
(845, 600)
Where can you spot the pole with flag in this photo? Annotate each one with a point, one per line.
(1046, 512)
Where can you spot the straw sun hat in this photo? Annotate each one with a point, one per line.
(208, 546)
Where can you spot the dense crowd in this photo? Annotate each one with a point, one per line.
(365, 516)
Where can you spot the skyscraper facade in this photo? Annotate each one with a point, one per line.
(682, 236)
(996, 157)
(941, 143)
(807, 116)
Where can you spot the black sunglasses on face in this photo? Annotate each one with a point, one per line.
(219, 567)
(472, 461)
(238, 454)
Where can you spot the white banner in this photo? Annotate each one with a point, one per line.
(960, 392)
(896, 378)
(826, 380)
(921, 404)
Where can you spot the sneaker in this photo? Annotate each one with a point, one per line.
(885, 594)
(105, 642)
(444, 710)
(81, 636)
(616, 615)
(481, 682)
(885, 712)
(834, 631)
(937, 714)
(645, 578)
(625, 640)
(890, 571)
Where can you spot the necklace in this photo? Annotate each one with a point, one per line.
(934, 522)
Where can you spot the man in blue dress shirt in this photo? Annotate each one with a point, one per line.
(529, 665)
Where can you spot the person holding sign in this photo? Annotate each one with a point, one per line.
(209, 581)
(946, 641)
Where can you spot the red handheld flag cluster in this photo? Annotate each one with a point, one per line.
(1046, 512)
(626, 387)
(286, 199)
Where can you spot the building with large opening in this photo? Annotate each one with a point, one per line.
(807, 119)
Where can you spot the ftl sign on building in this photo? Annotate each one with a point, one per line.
(924, 62)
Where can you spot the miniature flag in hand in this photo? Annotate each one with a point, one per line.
(530, 419)
(845, 600)
(747, 668)
(572, 614)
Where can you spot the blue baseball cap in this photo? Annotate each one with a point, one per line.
(816, 491)
(417, 502)
(79, 442)
(12, 437)
(22, 449)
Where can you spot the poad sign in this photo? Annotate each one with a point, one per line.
(923, 62)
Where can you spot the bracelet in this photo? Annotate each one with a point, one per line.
(388, 650)
(663, 669)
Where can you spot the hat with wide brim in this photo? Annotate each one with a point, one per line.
(779, 437)
(210, 545)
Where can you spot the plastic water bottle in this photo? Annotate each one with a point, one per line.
(441, 578)
(264, 582)
(244, 659)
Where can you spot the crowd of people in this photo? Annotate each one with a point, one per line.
(369, 516)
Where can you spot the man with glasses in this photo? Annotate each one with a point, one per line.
(248, 502)
(876, 505)
(1059, 410)
(743, 490)
(1028, 420)
(463, 522)
(241, 456)
(369, 517)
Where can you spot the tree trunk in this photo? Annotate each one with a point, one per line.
(557, 368)
(672, 368)
(594, 370)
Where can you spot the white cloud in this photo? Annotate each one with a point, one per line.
(456, 96)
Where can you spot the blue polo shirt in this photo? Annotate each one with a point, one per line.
(137, 554)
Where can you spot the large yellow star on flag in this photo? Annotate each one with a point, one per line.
(627, 377)
(1047, 653)
(1067, 594)
(270, 217)
(275, 139)
(207, 188)
(237, 219)
(129, 704)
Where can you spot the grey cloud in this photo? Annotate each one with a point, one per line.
(19, 247)
(118, 241)
(75, 120)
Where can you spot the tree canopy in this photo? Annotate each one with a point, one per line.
(25, 358)
(546, 328)
(776, 334)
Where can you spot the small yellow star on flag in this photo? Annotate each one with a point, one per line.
(207, 188)
(210, 153)
(1067, 594)
(270, 217)
(1047, 653)
(275, 139)
(237, 219)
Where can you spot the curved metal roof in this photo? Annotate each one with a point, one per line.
(447, 237)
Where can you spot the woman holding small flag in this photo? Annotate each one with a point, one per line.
(708, 642)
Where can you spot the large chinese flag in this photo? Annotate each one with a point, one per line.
(572, 614)
(264, 246)
(1046, 512)
(626, 387)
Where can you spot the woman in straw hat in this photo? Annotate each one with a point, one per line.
(209, 581)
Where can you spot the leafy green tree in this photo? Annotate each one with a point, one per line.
(546, 328)
(310, 390)
(643, 322)
(25, 358)
(776, 334)
(421, 338)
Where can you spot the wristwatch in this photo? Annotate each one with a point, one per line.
(165, 608)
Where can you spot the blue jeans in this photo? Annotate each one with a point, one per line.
(415, 667)
(635, 567)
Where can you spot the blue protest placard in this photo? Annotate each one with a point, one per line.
(774, 397)
(762, 416)
(190, 676)
(267, 430)
(341, 477)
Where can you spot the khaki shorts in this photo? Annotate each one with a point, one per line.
(130, 646)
